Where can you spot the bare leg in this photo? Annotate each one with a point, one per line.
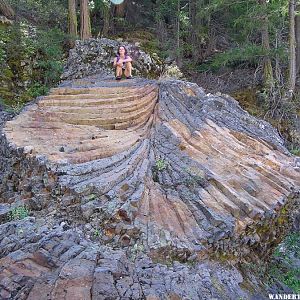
(128, 69)
(119, 71)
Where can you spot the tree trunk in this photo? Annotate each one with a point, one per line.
(268, 79)
(178, 51)
(105, 25)
(193, 25)
(72, 19)
(297, 33)
(120, 10)
(85, 23)
(106, 19)
(292, 48)
(6, 10)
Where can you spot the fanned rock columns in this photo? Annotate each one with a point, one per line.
(76, 125)
(159, 166)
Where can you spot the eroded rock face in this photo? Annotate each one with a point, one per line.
(42, 262)
(156, 168)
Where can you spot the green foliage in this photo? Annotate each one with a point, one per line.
(243, 19)
(202, 25)
(102, 5)
(37, 89)
(283, 267)
(30, 63)
(295, 150)
(18, 213)
(249, 54)
(288, 277)
(166, 9)
(161, 164)
(49, 50)
(14, 107)
(195, 178)
(47, 14)
(96, 233)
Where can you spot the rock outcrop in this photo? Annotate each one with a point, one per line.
(45, 262)
(5, 21)
(96, 56)
(124, 176)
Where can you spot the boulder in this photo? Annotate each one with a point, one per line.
(96, 56)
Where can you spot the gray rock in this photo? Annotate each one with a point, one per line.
(96, 56)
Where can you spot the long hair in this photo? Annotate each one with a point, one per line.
(119, 50)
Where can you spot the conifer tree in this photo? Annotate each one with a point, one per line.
(292, 48)
(72, 18)
(85, 23)
(297, 35)
(265, 41)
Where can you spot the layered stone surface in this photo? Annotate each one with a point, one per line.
(78, 124)
(155, 167)
(42, 262)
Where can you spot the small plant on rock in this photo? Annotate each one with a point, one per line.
(18, 213)
(96, 233)
(161, 164)
(295, 150)
(15, 107)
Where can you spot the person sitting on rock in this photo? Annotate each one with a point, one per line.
(123, 62)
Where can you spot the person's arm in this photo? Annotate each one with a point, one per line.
(128, 59)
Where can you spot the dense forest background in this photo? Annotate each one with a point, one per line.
(249, 49)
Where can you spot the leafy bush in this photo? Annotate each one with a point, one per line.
(47, 14)
(18, 213)
(49, 53)
(249, 54)
(285, 259)
(295, 150)
(31, 61)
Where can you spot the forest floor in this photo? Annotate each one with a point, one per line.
(226, 81)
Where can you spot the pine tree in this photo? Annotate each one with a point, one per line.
(265, 41)
(297, 33)
(85, 23)
(292, 48)
(72, 18)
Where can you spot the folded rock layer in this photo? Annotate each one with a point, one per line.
(161, 165)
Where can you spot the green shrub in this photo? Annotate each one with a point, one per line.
(283, 267)
(161, 164)
(30, 64)
(49, 53)
(18, 213)
(249, 54)
(295, 150)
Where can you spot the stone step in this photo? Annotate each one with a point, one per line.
(111, 121)
(111, 112)
(95, 102)
(103, 96)
(96, 90)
